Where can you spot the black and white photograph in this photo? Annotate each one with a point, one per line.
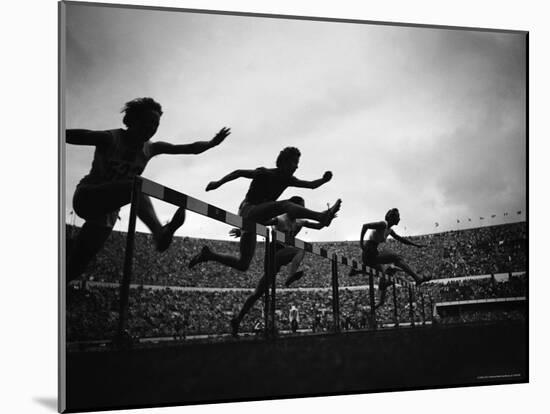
(259, 206)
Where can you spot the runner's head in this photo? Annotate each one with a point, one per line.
(288, 159)
(392, 217)
(297, 200)
(142, 116)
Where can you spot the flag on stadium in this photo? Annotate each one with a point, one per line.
(457, 220)
(436, 224)
(482, 218)
(505, 214)
(493, 215)
(519, 212)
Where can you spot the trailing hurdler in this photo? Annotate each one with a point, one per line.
(260, 205)
(284, 255)
(120, 155)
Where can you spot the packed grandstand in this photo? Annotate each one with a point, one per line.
(169, 300)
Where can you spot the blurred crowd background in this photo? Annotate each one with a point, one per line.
(169, 300)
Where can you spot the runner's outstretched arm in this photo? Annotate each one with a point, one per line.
(198, 147)
(87, 137)
(212, 185)
(296, 182)
(404, 240)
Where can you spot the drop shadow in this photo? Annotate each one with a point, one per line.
(48, 402)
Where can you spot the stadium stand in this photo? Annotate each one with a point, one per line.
(485, 250)
(168, 300)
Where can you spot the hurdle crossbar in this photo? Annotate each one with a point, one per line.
(171, 196)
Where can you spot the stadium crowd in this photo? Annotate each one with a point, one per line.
(92, 313)
(170, 308)
(485, 250)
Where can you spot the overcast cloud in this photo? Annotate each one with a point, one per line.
(429, 121)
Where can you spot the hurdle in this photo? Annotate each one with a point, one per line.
(395, 304)
(422, 303)
(150, 188)
(411, 305)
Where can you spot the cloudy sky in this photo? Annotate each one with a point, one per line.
(429, 121)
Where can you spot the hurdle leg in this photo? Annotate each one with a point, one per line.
(431, 309)
(395, 305)
(422, 304)
(273, 276)
(411, 306)
(128, 259)
(267, 268)
(335, 296)
(372, 299)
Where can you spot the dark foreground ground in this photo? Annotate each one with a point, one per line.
(307, 365)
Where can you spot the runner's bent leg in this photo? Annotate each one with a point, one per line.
(265, 211)
(162, 235)
(296, 262)
(92, 201)
(387, 258)
(247, 248)
(293, 274)
(89, 242)
(147, 214)
(251, 300)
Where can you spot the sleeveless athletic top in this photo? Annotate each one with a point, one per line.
(268, 185)
(117, 161)
(379, 236)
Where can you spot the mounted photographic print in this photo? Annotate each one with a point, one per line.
(257, 207)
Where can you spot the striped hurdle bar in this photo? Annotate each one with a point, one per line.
(192, 204)
(145, 186)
